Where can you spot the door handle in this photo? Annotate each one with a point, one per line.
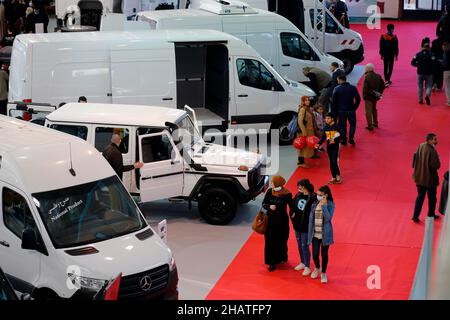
(286, 65)
(167, 99)
(109, 94)
(4, 243)
(243, 95)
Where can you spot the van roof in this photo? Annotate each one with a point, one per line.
(183, 13)
(118, 114)
(184, 35)
(37, 159)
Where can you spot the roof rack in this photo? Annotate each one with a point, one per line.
(226, 7)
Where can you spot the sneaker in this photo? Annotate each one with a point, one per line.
(435, 216)
(315, 273)
(416, 220)
(338, 180)
(344, 143)
(271, 268)
(352, 142)
(323, 278)
(306, 272)
(332, 181)
(301, 266)
(427, 99)
(375, 125)
(369, 128)
(420, 102)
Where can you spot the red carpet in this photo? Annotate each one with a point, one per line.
(374, 205)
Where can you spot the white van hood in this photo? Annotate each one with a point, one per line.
(127, 255)
(299, 90)
(217, 155)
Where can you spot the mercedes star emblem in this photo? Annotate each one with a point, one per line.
(145, 283)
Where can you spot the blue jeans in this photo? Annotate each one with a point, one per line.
(428, 79)
(303, 248)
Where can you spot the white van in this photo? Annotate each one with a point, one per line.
(227, 82)
(342, 43)
(68, 225)
(218, 178)
(274, 37)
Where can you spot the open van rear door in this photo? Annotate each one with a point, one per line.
(162, 176)
(192, 115)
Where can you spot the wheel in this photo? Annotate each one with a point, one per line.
(348, 64)
(217, 206)
(282, 125)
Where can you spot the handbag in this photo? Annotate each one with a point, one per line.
(293, 127)
(259, 225)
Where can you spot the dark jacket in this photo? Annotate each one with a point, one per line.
(444, 195)
(341, 13)
(372, 82)
(301, 208)
(423, 61)
(426, 165)
(345, 98)
(114, 156)
(327, 228)
(446, 60)
(330, 134)
(389, 45)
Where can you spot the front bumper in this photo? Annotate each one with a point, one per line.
(252, 193)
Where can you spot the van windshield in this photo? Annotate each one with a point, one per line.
(88, 213)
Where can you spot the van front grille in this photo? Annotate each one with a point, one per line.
(144, 283)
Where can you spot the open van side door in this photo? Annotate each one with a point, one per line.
(162, 176)
(192, 115)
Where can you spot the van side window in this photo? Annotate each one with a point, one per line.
(74, 130)
(331, 25)
(156, 148)
(252, 73)
(103, 138)
(16, 213)
(295, 46)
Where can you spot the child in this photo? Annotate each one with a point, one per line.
(319, 118)
(332, 136)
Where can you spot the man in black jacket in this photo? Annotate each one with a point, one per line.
(346, 100)
(424, 61)
(389, 51)
(114, 156)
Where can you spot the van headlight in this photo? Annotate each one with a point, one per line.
(172, 264)
(86, 283)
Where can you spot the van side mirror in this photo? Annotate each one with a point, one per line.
(29, 240)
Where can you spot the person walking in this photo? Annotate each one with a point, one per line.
(335, 73)
(426, 165)
(306, 126)
(437, 48)
(276, 201)
(301, 209)
(373, 88)
(346, 100)
(446, 69)
(113, 155)
(388, 52)
(4, 80)
(424, 61)
(332, 136)
(320, 231)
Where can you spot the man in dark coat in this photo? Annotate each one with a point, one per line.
(444, 195)
(335, 73)
(114, 156)
(389, 51)
(346, 100)
(341, 13)
(424, 61)
(373, 87)
(426, 165)
(319, 82)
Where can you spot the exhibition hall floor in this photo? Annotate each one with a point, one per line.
(372, 221)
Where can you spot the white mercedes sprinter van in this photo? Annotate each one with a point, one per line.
(274, 37)
(225, 80)
(340, 42)
(68, 225)
(218, 178)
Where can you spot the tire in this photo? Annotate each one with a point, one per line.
(217, 206)
(348, 64)
(281, 124)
